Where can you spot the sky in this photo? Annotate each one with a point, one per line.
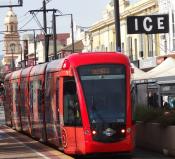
(85, 13)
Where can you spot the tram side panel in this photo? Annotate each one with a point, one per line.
(15, 103)
(25, 121)
(36, 104)
(51, 115)
(7, 102)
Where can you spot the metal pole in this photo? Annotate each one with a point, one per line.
(21, 54)
(24, 52)
(117, 25)
(72, 29)
(54, 35)
(34, 39)
(45, 30)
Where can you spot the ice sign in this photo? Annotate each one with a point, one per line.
(150, 24)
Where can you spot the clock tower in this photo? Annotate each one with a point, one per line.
(12, 47)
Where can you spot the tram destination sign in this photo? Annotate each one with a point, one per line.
(152, 24)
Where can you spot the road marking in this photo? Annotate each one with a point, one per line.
(38, 153)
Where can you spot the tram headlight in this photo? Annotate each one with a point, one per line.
(94, 132)
(123, 131)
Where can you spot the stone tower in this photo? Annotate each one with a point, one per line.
(12, 47)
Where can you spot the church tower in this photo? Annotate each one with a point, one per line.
(12, 47)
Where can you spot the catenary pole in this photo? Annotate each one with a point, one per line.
(45, 31)
(117, 25)
(54, 35)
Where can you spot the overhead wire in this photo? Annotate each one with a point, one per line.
(37, 21)
(48, 1)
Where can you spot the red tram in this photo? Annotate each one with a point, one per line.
(81, 104)
(8, 100)
(15, 114)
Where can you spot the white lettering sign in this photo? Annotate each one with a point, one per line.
(145, 24)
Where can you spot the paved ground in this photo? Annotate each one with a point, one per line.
(14, 145)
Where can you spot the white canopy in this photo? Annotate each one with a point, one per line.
(169, 72)
(164, 69)
(138, 74)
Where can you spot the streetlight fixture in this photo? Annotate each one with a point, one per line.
(54, 30)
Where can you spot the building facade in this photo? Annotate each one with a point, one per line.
(103, 32)
(145, 50)
(11, 46)
(168, 40)
(61, 42)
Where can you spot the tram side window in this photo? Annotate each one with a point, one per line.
(57, 96)
(72, 115)
(40, 97)
(22, 99)
(48, 110)
(31, 96)
(15, 94)
(1, 89)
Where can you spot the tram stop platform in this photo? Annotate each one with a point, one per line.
(14, 145)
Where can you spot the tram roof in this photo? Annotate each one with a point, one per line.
(8, 76)
(97, 57)
(16, 74)
(38, 69)
(26, 71)
(87, 58)
(55, 65)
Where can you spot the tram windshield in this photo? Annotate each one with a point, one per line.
(104, 87)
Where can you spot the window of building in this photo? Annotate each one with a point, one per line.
(97, 48)
(150, 45)
(173, 24)
(12, 47)
(11, 27)
(140, 45)
(173, 27)
(15, 28)
(111, 46)
(123, 45)
(135, 48)
(102, 48)
(173, 44)
(130, 48)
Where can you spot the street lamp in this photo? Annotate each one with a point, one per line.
(12, 47)
(54, 30)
